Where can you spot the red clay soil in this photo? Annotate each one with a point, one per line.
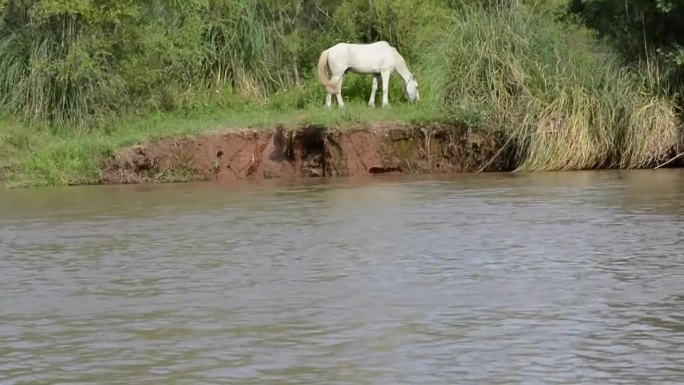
(309, 151)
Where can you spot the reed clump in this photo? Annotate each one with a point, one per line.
(568, 102)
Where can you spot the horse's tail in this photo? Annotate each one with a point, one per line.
(323, 73)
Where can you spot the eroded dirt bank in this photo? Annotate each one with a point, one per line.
(310, 151)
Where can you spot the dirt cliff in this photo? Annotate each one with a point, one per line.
(310, 151)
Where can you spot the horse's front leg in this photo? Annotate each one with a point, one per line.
(328, 100)
(385, 88)
(374, 89)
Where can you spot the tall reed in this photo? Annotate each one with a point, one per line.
(568, 103)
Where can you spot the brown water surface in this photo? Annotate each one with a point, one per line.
(546, 278)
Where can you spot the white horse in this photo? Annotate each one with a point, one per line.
(379, 59)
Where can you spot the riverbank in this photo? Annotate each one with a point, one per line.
(35, 155)
(197, 153)
(310, 142)
(260, 144)
(317, 151)
(311, 151)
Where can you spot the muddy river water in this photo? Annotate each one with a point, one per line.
(548, 278)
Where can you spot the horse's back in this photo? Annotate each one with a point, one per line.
(368, 57)
(378, 46)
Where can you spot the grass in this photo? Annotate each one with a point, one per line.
(39, 156)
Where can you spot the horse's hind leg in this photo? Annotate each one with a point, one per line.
(328, 97)
(374, 90)
(340, 102)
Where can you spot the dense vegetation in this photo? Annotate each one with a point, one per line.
(637, 27)
(576, 83)
(78, 61)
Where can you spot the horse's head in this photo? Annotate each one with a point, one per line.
(412, 89)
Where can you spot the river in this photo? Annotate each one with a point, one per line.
(543, 278)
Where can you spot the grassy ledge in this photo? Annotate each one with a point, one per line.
(37, 156)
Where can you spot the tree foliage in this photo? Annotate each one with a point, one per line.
(638, 27)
